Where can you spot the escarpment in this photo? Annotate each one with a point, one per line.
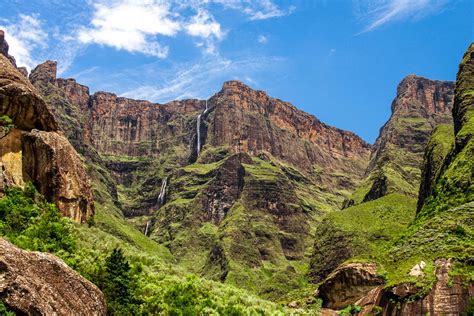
(34, 149)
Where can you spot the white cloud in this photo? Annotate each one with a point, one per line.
(23, 37)
(204, 25)
(262, 39)
(194, 80)
(132, 26)
(380, 12)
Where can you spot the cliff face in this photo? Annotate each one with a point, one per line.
(250, 121)
(126, 127)
(35, 283)
(395, 164)
(33, 148)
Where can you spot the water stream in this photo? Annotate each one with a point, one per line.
(147, 227)
(161, 196)
(198, 130)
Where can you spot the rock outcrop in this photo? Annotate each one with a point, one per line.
(395, 164)
(449, 296)
(57, 171)
(35, 283)
(36, 146)
(4, 48)
(250, 121)
(348, 284)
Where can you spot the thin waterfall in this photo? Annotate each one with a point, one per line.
(198, 130)
(161, 196)
(147, 227)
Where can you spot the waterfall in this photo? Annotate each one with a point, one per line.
(147, 227)
(198, 130)
(161, 196)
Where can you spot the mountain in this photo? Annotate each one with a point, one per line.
(419, 106)
(241, 204)
(279, 168)
(425, 266)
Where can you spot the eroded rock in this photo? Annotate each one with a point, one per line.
(449, 296)
(57, 171)
(35, 283)
(349, 283)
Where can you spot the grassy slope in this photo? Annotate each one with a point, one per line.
(247, 229)
(360, 232)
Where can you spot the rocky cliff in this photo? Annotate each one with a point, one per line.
(424, 265)
(258, 156)
(395, 164)
(35, 283)
(34, 149)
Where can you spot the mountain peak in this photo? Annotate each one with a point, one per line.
(419, 93)
(45, 72)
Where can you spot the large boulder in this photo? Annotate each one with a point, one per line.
(35, 283)
(349, 283)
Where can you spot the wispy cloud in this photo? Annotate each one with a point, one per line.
(257, 10)
(380, 12)
(24, 36)
(197, 79)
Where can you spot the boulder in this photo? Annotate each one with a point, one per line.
(35, 283)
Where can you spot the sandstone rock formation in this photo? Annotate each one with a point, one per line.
(349, 283)
(36, 147)
(57, 171)
(4, 48)
(35, 283)
(448, 296)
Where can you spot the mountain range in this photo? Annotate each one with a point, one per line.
(239, 204)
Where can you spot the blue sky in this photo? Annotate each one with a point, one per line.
(339, 60)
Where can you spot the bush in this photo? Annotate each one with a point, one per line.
(30, 222)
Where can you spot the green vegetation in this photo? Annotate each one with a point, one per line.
(137, 275)
(361, 232)
(5, 311)
(30, 222)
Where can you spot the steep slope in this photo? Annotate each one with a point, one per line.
(427, 268)
(420, 105)
(260, 160)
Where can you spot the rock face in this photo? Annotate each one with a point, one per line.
(35, 283)
(251, 121)
(420, 105)
(4, 48)
(454, 185)
(57, 171)
(21, 102)
(36, 147)
(349, 283)
(448, 296)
